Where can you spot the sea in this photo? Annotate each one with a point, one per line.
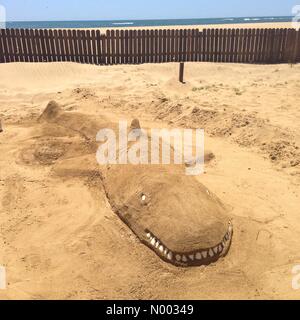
(142, 23)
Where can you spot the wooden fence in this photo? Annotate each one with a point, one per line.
(150, 46)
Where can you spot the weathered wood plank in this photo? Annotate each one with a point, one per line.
(139, 45)
(103, 49)
(62, 46)
(176, 46)
(216, 45)
(10, 49)
(255, 45)
(44, 56)
(143, 46)
(50, 46)
(5, 45)
(113, 47)
(18, 45)
(150, 46)
(233, 51)
(146, 46)
(122, 46)
(2, 54)
(126, 46)
(31, 44)
(282, 45)
(259, 50)
(160, 46)
(75, 36)
(209, 45)
(184, 44)
(295, 50)
(108, 46)
(298, 49)
(94, 47)
(204, 45)
(70, 46)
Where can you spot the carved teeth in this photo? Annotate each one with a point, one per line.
(194, 256)
(198, 256)
(178, 257)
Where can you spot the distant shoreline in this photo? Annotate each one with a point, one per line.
(273, 25)
(150, 24)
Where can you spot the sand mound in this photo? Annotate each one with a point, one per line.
(52, 111)
(52, 142)
(48, 154)
(44, 207)
(244, 128)
(283, 150)
(43, 152)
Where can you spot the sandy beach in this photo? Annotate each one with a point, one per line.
(210, 26)
(61, 240)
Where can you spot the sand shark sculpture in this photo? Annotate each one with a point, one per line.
(173, 214)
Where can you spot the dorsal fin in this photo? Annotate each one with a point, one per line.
(52, 111)
(135, 124)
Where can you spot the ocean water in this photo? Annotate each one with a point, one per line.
(142, 23)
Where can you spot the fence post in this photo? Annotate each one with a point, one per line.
(1, 47)
(295, 53)
(130, 46)
(181, 71)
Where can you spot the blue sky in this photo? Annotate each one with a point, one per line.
(38, 10)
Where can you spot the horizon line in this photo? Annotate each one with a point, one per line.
(229, 17)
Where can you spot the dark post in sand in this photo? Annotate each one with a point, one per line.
(181, 72)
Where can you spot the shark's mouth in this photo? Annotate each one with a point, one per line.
(194, 258)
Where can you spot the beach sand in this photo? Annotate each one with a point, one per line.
(60, 239)
(211, 26)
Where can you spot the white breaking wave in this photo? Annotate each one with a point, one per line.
(252, 19)
(123, 23)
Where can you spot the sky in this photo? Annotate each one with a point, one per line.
(43, 10)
